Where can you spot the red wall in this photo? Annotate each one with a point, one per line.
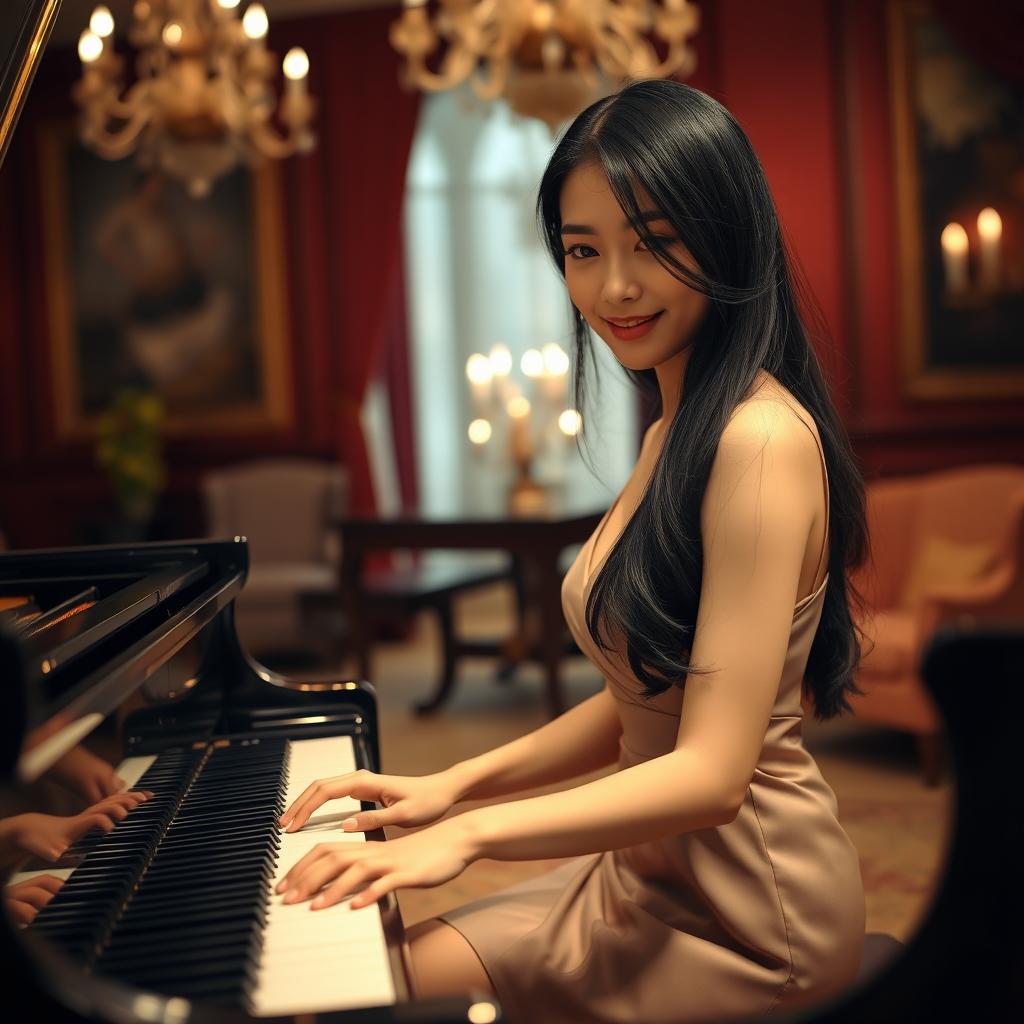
(808, 81)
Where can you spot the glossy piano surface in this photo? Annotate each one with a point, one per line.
(147, 760)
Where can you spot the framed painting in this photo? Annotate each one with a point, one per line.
(958, 133)
(151, 289)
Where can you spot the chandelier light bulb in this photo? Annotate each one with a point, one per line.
(532, 363)
(295, 64)
(172, 34)
(570, 422)
(102, 22)
(90, 46)
(254, 21)
(479, 431)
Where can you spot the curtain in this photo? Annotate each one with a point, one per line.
(350, 230)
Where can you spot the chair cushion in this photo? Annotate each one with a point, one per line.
(288, 579)
(889, 648)
(942, 562)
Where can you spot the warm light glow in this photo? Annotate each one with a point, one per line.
(481, 1013)
(954, 239)
(90, 46)
(102, 22)
(555, 360)
(254, 21)
(479, 431)
(501, 360)
(570, 422)
(990, 224)
(518, 406)
(532, 363)
(228, 5)
(172, 33)
(478, 368)
(295, 64)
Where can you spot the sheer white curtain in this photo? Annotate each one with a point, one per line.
(477, 274)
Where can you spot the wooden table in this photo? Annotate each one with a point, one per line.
(535, 543)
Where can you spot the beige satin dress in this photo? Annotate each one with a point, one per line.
(751, 918)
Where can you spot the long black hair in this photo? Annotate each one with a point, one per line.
(693, 160)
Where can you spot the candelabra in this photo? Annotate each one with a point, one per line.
(548, 58)
(203, 95)
(526, 423)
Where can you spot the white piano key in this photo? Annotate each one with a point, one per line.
(315, 960)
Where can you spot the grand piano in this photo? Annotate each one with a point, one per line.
(129, 655)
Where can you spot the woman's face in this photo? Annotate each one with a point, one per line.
(614, 280)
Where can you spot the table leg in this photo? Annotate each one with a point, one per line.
(353, 601)
(552, 627)
(446, 682)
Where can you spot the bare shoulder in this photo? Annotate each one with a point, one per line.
(767, 423)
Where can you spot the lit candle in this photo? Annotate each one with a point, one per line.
(479, 373)
(556, 366)
(990, 231)
(954, 257)
(518, 408)
(296, 67)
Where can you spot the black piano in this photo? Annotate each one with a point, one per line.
(129, 656)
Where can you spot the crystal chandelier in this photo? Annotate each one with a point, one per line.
(547, 58)
(203, 97)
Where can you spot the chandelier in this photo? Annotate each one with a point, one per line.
(547, 58)
(203, 97)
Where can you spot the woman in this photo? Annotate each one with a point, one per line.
(711, 876)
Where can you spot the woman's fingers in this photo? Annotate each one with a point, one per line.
(317, 794)
(49, 882)
(300, 866)
(350, 880)
(318, 874)
(20, 911)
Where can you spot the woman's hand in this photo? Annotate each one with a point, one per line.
(27, 898)
(422, 860)
(87, 775)
(406, 801)
(47, 836)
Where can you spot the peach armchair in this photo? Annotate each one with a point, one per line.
(945, 547)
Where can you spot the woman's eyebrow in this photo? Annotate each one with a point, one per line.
(583, 229)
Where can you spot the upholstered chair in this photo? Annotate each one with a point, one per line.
(947, 547)
(285, 508)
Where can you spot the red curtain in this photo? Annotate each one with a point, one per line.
(350, 232)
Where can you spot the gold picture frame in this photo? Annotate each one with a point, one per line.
(928, 374)
(151, 308)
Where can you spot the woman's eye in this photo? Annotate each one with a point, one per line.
(572, 251)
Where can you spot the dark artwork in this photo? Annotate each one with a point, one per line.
(970, 155)
(162, 287)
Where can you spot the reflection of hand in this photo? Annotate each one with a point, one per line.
(85, 774)
(421, 860)
(48, 836)
(27, 898)
(406, 801)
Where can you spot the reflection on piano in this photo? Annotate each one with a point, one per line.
(132, 652)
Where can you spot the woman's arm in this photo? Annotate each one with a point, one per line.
(582, 740)
(755, 521)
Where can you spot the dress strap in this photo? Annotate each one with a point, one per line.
(824, 476)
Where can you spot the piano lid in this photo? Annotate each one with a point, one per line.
(81, 629)
(25, 27)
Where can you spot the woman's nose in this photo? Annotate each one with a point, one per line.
(619, 285)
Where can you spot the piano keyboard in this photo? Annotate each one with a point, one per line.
(178, 898)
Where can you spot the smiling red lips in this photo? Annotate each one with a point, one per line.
(636, 330)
